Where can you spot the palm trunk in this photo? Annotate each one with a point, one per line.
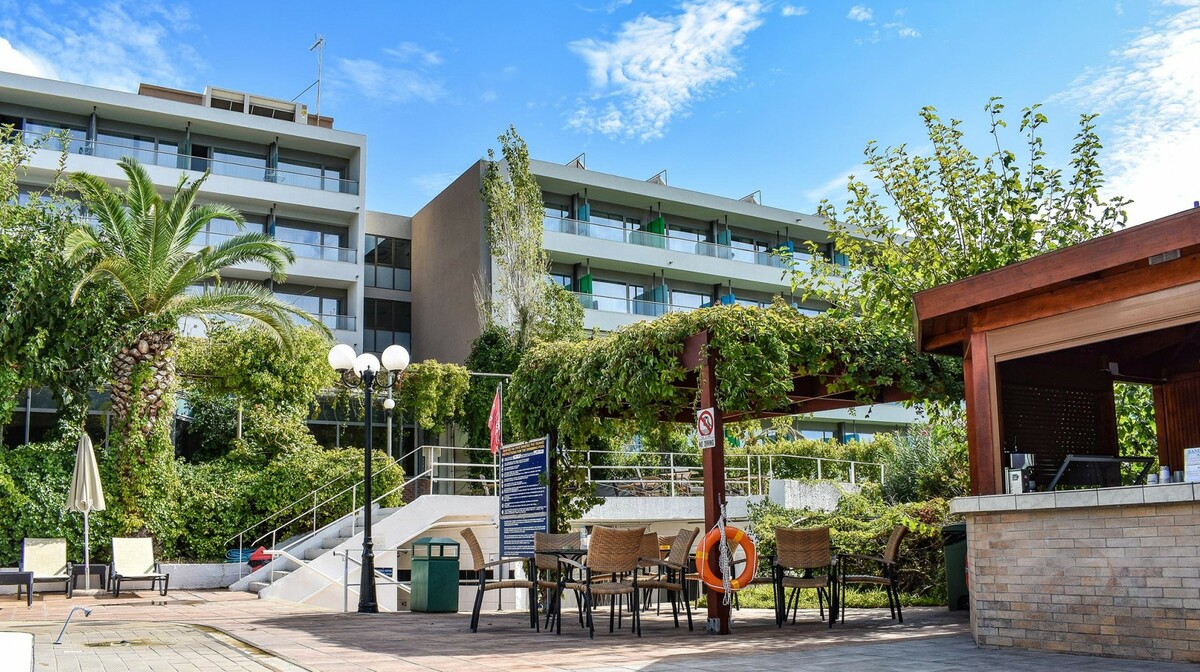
(146, 403)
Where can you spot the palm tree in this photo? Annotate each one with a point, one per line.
(140, 245)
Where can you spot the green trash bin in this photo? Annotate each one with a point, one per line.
(954, 545)
(434, 575)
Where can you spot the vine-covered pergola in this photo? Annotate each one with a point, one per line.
(744, 363)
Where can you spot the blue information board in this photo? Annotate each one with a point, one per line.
(524, 497)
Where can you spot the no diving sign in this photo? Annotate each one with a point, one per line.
(706, 428)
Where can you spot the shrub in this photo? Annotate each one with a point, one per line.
(861, 524)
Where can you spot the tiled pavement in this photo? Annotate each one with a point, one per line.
(210, 631)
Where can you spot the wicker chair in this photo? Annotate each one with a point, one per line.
(480, 566)
(612, 553)
(547, 567)
(797, 554)
(886, 576)
(670, 577)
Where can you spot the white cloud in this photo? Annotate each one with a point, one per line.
(908, 32)
(381, 82)
(13, 60)
(860, 13)
(115, 46)
(834, 186)
(657, 68)
(1148, 101)
(489, 96)
(793, 10)
(408, 51)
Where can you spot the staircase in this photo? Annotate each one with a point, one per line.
(323, 570)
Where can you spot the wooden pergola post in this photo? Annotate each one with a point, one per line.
(695, 349)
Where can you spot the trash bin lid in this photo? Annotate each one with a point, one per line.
(954, 533)
(435, 547)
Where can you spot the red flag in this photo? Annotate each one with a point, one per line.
(495, 423)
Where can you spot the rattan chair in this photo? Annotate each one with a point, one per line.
(547, 567)
(480, 566)
(886, 576)
(797, 554)
(612, 553)
(671, 570)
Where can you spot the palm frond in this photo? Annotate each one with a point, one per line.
(194, 221)
(109, 207)
(248, 300)
(252, 247)
(120, 273)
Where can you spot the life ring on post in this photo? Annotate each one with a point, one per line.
(711, 545)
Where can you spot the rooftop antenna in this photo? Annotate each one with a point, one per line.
(319, 45)
(579, 161)
(659, 178)
(754, 197)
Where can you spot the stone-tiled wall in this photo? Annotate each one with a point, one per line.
(1117, 576)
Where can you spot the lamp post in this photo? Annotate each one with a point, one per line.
(362, 371)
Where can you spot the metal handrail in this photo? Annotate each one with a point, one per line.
(313, 510)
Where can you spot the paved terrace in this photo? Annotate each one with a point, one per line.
(219, 630)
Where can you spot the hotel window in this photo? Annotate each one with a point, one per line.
(388, 262)
(235, 163)
(386, 323)
(611, 226)
(554, 216)
(685, 238)
(217, 231)
(314, 241)
(687, 300)
(328, 304)
(613, 296)
(49, 132)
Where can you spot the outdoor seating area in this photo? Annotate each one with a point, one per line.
(630, 572)
(133, 560)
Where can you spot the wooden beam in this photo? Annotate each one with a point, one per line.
(1133, 245)
(714, 473)
(982, 453)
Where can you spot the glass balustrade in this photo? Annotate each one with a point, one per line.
(647, 239)
(167, 155)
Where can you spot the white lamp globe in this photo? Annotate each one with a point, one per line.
(341, 357)
(389, 404)
(395, 358)
(366, 362)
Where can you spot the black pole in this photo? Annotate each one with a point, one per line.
(366, 588)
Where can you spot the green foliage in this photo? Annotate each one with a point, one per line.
(1136, 431)
(213, 425)
(211, 502)
(861, 524)
(927, 461)
(493, 351)
(140, 249)
(224, 496)
(513, 200)
(433, 393)
(245, 361)
(268, 434)
(46, 340)
(634, 374)
(945, 214)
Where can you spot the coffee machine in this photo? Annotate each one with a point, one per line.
(1018, 477)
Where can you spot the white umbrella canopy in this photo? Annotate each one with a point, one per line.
(86, 495)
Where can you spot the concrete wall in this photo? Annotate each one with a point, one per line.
(449, 253)
(201, 576)
(1110, 572)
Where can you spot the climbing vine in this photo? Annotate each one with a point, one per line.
(636, 373)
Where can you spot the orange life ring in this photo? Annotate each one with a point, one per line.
(711, 545)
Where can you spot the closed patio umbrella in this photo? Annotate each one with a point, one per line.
(86, 495)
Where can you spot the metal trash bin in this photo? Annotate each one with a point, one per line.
(954, 546)
(434, 575)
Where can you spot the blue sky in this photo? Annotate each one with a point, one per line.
(728, 96)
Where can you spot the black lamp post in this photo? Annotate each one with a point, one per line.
(363, 371)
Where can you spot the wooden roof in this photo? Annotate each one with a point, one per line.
(1149, 257)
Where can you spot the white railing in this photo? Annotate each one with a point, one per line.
(677, 474)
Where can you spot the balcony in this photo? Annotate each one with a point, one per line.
(612, 304)
(168, 156)
(336, 322)
(646, 239)
(302, 250)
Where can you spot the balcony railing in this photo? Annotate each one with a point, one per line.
(647, 239)
(613, 304)
(305, 250)
(171, 158)
(337, 322)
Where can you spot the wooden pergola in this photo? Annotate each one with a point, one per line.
(810, 394)
(1043, 341)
